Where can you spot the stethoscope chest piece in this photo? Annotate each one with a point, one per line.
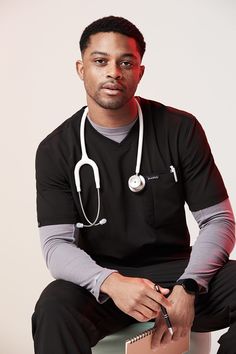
(136, 183)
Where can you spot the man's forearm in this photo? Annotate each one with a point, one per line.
(214, 244)
(66, 261)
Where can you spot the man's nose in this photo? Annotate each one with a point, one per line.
(114, 71)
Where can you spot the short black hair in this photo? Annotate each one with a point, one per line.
(113, 24)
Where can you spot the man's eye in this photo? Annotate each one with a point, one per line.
(126, 64)
(100, 61)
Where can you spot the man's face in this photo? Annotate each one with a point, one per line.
(111, 69)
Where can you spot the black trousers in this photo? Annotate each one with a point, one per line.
(69, 320)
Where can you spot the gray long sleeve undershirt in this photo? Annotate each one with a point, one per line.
(66, 261)
(214, 243)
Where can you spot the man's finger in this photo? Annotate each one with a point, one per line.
(158, 334)
(166, 338)
(164, 291)
(147, 312)
(151, 304)
(158, 297)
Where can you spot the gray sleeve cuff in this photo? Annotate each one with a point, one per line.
(101, 297)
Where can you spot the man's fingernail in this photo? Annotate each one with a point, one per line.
(154, 349)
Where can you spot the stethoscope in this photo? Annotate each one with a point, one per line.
(136, 182)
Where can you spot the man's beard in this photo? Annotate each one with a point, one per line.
(112, 102)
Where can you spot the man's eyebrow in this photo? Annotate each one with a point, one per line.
(96, 52)
(130, 55)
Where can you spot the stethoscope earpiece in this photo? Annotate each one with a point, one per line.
(136, 182)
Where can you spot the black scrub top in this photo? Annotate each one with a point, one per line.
(142, 228)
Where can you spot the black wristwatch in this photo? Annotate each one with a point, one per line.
(189, 285)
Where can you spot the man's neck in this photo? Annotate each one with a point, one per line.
(112, 118)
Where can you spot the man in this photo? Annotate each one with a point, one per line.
(95, 166)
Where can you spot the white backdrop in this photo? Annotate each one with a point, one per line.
(190, 64)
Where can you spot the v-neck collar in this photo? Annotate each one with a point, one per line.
(133, 130)
(119, 132)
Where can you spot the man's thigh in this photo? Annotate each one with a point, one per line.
(217, 309)
(97, 320)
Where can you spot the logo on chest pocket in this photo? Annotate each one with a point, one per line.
(163, 200)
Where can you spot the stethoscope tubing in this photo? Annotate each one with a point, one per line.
(136, 182)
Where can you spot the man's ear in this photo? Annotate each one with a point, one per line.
(142, 69)
(80, 68)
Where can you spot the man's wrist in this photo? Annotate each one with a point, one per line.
(108, 283)
(189, 285)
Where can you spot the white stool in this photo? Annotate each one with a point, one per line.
(200, 343)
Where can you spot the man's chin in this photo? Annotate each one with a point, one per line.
(111, 103)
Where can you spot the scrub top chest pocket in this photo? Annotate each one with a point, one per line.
(164, 197)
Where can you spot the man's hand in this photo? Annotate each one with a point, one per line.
(135, 296)
(181, 314)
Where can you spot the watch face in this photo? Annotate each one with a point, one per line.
(189, 285)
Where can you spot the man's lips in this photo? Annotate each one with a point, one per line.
(111, 86)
